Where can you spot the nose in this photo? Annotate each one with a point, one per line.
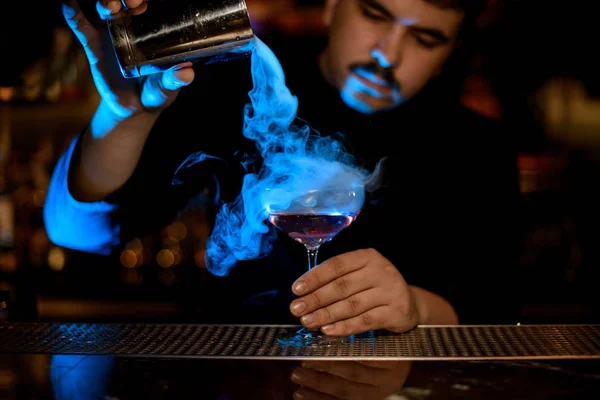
(388, 50)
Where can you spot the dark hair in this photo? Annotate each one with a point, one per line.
(472, 9)
(458, 66)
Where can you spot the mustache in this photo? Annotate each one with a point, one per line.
(387, 74)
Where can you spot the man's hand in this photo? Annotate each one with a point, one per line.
(353, 293)
(124, 97)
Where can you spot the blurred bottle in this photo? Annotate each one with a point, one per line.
(33, 81)
(58, 64)
(40, 168)
(7, 210)
(8, 259)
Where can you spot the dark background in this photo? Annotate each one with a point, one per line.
(533, 65)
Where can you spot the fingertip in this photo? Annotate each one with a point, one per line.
(68, 10)
(175, 79)
(328, 329)
(299, 394)
(185, 75)
(114, 6)
(133, 3)
(299, 287)
(107, 8)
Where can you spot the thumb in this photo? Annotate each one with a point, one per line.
(160, 89)
(85, 32)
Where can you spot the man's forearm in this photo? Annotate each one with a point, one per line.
(433, 309)
(110, 151)
(84, 226)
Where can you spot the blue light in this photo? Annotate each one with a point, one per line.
(74, 224)
(355, 93)
(381, 58)
(76, 377)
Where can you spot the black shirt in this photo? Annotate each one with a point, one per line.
(447, 215)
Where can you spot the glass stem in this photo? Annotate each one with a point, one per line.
(312, 256)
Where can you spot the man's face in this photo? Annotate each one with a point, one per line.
(383, 52)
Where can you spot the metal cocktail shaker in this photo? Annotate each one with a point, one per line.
(162, 33)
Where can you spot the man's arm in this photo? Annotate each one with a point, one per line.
(104, 158)
(432, 308)
(71, 223)
(96, 164)
(96, 183)
(109, 153)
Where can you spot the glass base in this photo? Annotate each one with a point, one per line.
(305, 337)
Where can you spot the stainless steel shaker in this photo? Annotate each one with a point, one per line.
(163, 33)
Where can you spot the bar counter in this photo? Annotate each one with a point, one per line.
(226, 362)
